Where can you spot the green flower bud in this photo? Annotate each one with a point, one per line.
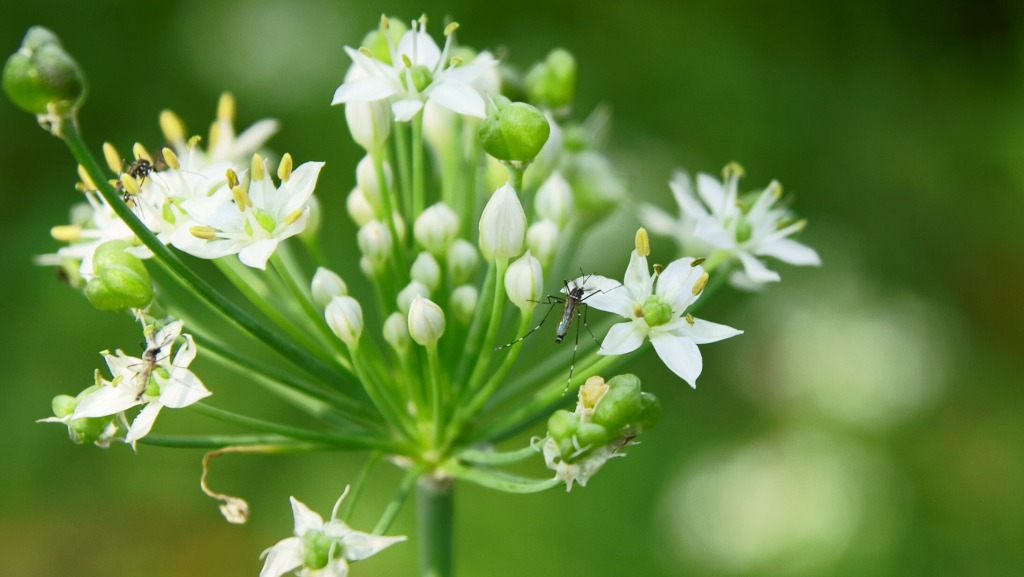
(552, 83)
(592, 435)
(396, 332)
(41, 78)
(462, 260)
(650, 412)
(121, 280)
(63, 405)
(88, 430)
(562, 425)
(621, 404)
(516, 132)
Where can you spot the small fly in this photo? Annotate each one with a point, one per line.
(139, 170)
(573, 307)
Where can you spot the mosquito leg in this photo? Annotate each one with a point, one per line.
(586, 326)
(552, 301)
(575, 345)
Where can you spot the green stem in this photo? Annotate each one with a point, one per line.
(402, 151)
(359, 485)
(476, 456)
(435, 508)
(221, 441)
(476, 327)
(391, 413)
(418, 173)
(288, 275)
(187, 276)
(497, 306)
(391, 511)
(388, 217)
(434, 373)
(500, 480)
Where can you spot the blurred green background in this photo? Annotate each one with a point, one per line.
(869, 422)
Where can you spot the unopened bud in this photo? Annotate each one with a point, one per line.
(552, 83)
(375, 242)
(464, 300)
(366, 180)
(436, 228)
(542, 240)
(426, 322)
(524, 282)
(411, 291)
(554, 199)
(515, 132)
(41, 78)
(502, 225)
(369, 121)
(358, 207)
(326, 285)
(462, 260)
(396, 332)
(345, 317)
(426, 270)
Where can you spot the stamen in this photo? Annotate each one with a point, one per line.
(284, 170)
(203, 232)
(226, 107)
(385, 24)
(658, 268)
(638, 310)
(242, 200)
(257, 170)
(66, 232)
(194, 141)
(172, 126)
(451, 28)
(697, 262)
(642, 242)
(702, 282)
(113, 158)
(86, 179)
(214, 133)
(406, 61)
(232, 178)
(689, 319)
(140, 152)
(170, 158)
(292, 216)
(733, 170)
(130, 184)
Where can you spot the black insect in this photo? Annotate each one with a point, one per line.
(573, 306)
(139, 170)
(150, 358)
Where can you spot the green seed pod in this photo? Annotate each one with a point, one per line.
(41, 78)
(592, 435)
(562, 425)
(516, 132)
(552, 83)
(63, 405)
(650, 412)
(621, 405)
(121, 282)
(86, 431)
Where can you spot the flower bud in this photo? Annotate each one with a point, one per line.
(464, 300)
(650, 412)
(345, 317)
(375, 242)
(439, 127)
(621, 404)
(411, 291)
(326, 285)
(598, 190)
(358, 207)
(369, 121)
(367, 267)
(312, 230)
(41, 78)
(366, 180)
(549, 156)
(396, 332)
(502, 225)
(524, 283)
(426, 321)
(436, 228)
(562, 425)
(63, 405)
(542, 241)
(552, 84)
(462, 259)
(516, 132)
(426, 270)
(121, 280)
(554, 199)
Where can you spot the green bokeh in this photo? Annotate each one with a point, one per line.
(898, 126)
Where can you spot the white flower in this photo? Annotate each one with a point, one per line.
(257, 220)
(155, 381)
(97, 224)
(419, 71)
(654, 306)
(684, 228)
(717, 217)
(321, 549)
(223, 145)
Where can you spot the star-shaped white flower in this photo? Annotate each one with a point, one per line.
(684, 227)
(94, 223)
(321, 549)
(655, 306)
(419, 71)
(251, 223)
(155, 381)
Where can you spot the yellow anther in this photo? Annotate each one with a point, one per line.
(170, 158)
(702, 282)
(66, 232)
(284, 170)
(800, 224)
(365, 51)
(592, 392)
(113, 158)
(642, 242)
(140, 152)
(232, 177)
(733, 169)
(214, 133)
(776, 188)
(658, 268)
(454, 61)
(689, 319)
(384, 22)
(194, 141)
(130, 184)
(226, 107)
(203, 232)
(406, 61)
(423, 21)
(86, 179)
(257, 170)
(638, 310)
(451, 28)
(242, 200)
(697, 262)
(292, 216)
(172, 126)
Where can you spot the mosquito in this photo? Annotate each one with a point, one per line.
(150, 357)
(574, 306)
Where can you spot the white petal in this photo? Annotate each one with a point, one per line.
(359, 545)
(106, 401)
(712, 232)
(143, 422)
(405, 109)
(658, 221)
(252, 138)
(789, 251)
(300, 186)
(182, 389)
(305, 518)
(186, 353)
(336, 568)
(363, 90)
(680, 355)
(426, 51)
(283, 557)
(676, 282)
(458, 97)
(621, 339)
(703, 332)
(605, 294)
(756, 270)
(638, 279)
(712, 192)
(166, 335)
(256, 254)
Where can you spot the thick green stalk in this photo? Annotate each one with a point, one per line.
(434, 512)
(418, 170)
